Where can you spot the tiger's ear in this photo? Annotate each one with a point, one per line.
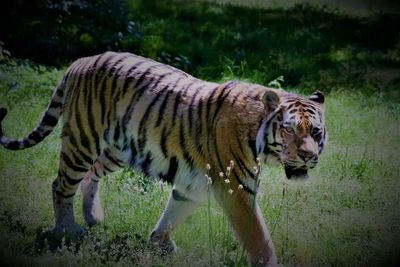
(317, 97)
(271, 100)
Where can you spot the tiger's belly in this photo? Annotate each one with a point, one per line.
(189, 182)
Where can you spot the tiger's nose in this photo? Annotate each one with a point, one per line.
(306, 155)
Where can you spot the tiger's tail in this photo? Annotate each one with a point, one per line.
(47, 124)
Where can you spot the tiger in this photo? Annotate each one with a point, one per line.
(123, 110)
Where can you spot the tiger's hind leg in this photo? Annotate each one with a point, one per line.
(70, 174)
(108, 162)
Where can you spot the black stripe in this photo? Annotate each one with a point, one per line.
(35, 136)
(213, 136)
(14, 145)
(107, 169)
(275, 144)
(74, 143)
(290, 106)
(129, 78)
(77, 160)
(71, 181)
(136, 97)
(311, 111)
(199, 126)
(274, 129)
(86, 90)
(91, 93)
(134, 152)
(243, 168)
(178, 100)
(190, 113)
(176, 104)
(209, 102)
(105, 89)
(117, 132)
(102, 93)
(60, 91)
(25, 143)
(46, 133)
(182, 143)
(64, 196)
(96, 173)
(245, 187)
(85, 157)
(252, 145)
(163, 141)
(101, 73)
(235, 98)
(162, 109)
(144, 121)
(116, 93)
(55, 104)
(68, 162)
(220, 102)
(113, 160)
(82, 135)
(143, 76)
(146, 164)
(178, 197)
(92, 126)
(172, 170)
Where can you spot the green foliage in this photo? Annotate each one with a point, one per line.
(314, 49)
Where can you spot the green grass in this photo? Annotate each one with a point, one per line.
(346, 214)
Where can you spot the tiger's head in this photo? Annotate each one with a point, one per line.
(294, 132)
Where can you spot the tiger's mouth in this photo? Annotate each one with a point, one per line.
(295, 173)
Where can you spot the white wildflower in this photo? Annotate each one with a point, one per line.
(208, 179)
(227, 181)
(208, 167)
(240, 187)
(230, 191)
(228, 171)
(221, 174)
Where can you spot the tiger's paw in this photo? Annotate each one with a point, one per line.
(94, 217)
(57, 238)
(164, 244)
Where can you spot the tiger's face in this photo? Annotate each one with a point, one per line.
(297, 134)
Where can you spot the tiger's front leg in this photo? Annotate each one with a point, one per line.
(177, 210)
(249, 225)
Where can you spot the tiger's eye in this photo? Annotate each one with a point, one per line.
(288, 129)
(315, 131)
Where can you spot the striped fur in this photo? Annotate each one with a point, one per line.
(122, 110)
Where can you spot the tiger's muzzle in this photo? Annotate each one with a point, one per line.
(296, 173)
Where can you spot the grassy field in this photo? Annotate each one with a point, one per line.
(347, 214)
